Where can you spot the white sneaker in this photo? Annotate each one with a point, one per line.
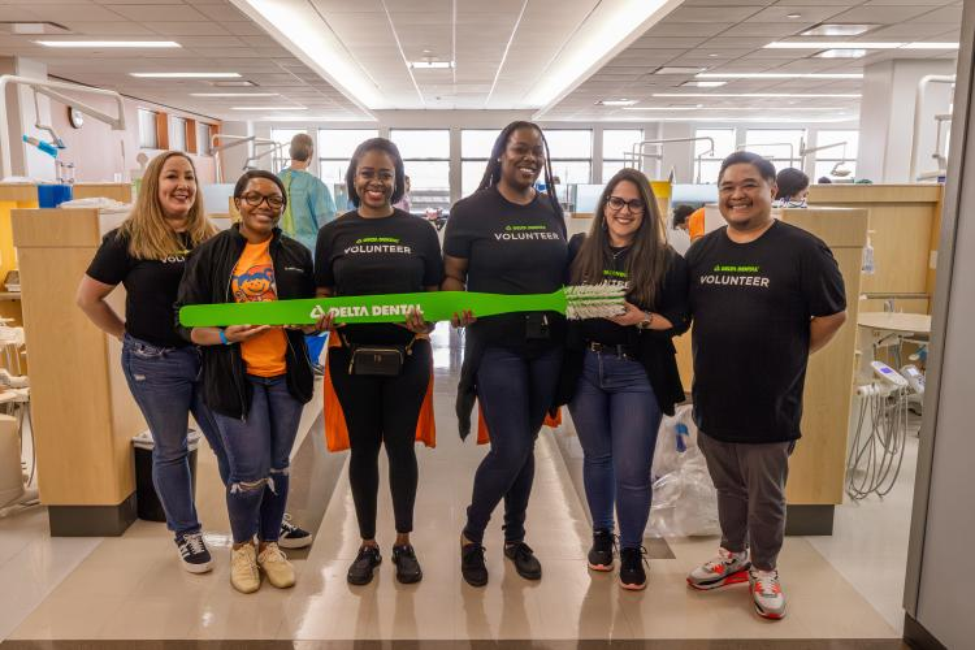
(767, 593)
(272, 560)
(244, 575)
(726, 569)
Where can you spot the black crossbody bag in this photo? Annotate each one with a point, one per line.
(377, 360)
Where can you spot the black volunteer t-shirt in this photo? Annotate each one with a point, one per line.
(150, 285)
(602, 330)
(751, 304)
(510, 249)
(356, 256)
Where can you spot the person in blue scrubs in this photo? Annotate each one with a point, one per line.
(309, 207)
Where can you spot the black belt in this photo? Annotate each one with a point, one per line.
(620, 351)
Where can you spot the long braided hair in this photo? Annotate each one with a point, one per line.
(492, 173)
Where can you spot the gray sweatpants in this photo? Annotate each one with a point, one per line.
(750, 480)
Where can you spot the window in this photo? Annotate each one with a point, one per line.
(781, 146)
(335, 149)
(426, 156)
(203, 133)
(837, 156)
(707, 163)
(177, 133)
(475, 149)
(147, 129)
(616, 142)
(280, 158)
(571, 155)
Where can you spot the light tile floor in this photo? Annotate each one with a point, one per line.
(132, 588)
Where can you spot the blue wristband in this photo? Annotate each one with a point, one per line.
(223, 337)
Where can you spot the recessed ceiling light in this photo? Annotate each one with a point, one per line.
(824, 45)
(713, 55)
(793, 16)
(35, 28)
(764, 95)
(110, 44)
(704, 84)
(234, 95)
(841, 54)
(185, 75)
(780, 75)
(836, 29)
(269, 108)
(678, 69)
(616, 102)
(431, 65)
(700, 107)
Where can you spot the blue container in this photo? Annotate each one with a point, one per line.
(51, 196)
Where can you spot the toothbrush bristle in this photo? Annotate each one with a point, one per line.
(595, 300)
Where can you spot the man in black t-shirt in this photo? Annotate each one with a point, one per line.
(763, 296)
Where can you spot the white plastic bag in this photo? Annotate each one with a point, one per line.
(684, 499)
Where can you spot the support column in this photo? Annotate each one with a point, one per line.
(887, 118)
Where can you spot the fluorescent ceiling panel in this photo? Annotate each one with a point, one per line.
(764, 95)
(780, 75)
(110, 44)
(186, 75)
(839, 30)
(298, 26)
(829, 45)
(610, 28)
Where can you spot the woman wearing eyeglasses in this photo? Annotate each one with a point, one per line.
(256, 378)
(621, 373)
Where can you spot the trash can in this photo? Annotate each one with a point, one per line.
(147, 501)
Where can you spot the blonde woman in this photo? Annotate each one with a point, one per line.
(147, 254)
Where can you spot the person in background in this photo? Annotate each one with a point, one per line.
(309, 207)
(793, 186)
(256, 379)
(695, 224)
(824, 180)
(147, 254)
(621, 372)
(681, 214)
(381, 406)
(764, 295)
(406, 201)
(507, 238)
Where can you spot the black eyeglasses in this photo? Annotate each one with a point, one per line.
(253, 199)
(617, 203)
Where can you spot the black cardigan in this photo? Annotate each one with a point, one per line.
(652, 348)
(207, 280)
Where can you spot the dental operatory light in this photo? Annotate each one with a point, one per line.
(110, 44)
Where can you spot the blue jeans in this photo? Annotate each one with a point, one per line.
(515, 392)
(617, 417)
(166, 385)
(259, 455)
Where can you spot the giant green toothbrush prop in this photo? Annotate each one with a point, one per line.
(587, 301)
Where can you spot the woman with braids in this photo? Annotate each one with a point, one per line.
(621, 373)
(507, 238)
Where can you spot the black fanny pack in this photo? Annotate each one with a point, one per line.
(377, 360)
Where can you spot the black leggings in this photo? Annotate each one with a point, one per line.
(382, 410)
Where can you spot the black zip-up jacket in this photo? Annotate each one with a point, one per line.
(207, 281)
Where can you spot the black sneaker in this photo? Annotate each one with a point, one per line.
(632, 574)
(193, 553)
(360, 573)
(407, 567)
(293, 536)
(523, 556)
(472, 564)
(601, 553)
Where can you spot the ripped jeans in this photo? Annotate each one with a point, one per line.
(258, 453)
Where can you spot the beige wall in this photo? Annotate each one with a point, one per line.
(96, 150)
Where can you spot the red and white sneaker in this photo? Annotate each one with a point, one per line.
(767, 594)
(726, 569)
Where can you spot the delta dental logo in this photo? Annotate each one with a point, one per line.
(372, 245)
(360, 311)
(525, 233)
(736, 275)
